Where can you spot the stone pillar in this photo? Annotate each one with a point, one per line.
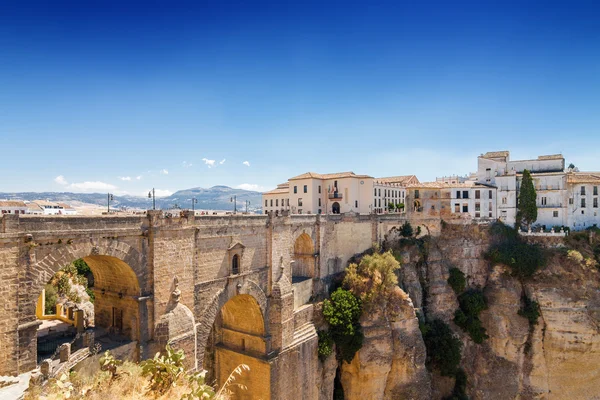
(78, 317)
(65, 352)
(88, 339)
(46, 367)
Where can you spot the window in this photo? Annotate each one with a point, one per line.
(458, 194)
(465, 194)
(282, 202)
(266, 203)
(571, 201)
(319, 190)
(477, 207)
(477, 194)
(299, 211)
(595, 190)
(295, 189)
(356, 203)
(465, 208)
(417, 194)
(595, 205)
(488, 173)
(305, 188)
(276, 202)
(582, 203)
(477, 215)
(504, 200)
(319, 211)
(583, 190)
(456, 208)
(490, 195)
(490, 207)
(299, 202)
(375, 192)
(271, 202)
(379, 203)
(544, 201)
(288, 202)
(490, 214)
(379, 192)
(555, 214)
(319, 202)
(235, 265)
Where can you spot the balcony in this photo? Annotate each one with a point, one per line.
(335, 196)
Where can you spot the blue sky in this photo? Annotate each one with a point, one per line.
(125, 96)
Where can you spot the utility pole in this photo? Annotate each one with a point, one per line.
(153, 197)
(234, 201)
(109, 198)
(194, 201)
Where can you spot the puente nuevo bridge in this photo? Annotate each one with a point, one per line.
(226, 289)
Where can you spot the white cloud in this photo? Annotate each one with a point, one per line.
(186, 164)
(250, 186)
(164, 172)
(87, 186)
(246, 163)
(222, 162)
(210, 163)
(125, 178)
(139, 177)
(158, 192)
(61, 180)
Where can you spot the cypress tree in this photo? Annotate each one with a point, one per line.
(527, 207)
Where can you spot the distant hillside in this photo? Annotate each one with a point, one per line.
(214, 198)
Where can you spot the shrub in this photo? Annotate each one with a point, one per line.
(325, 344)
(164, 370)
(51, 297)
(109, 363)
(457, 280)
(460, 386)
(391, 206)
(406, 230)
(471, 303)
(530, 310)
(63, 284)
(82, 267)
(509, 249)
(443, 347)
(342, 312)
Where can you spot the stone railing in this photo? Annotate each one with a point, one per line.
(541, 232)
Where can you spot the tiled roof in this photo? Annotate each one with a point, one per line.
(65, 206)
(44, 203)
(34, 207)
(496, 154)
(441, 185)
(336, 175)
(278, 191)
(398, 179)
(12, 203)
(583, 177)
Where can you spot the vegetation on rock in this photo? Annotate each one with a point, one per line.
(530, 310)
(460, 386)
(325, 344)
(342, 311)
(443, 347)
(406, 230)
(471, 303)
(510, 249)
(457, 280)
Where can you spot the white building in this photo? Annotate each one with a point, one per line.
(13, 207)
(342, 192)
(52, 208)
(564, 197)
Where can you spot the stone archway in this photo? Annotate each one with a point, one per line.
(304, 257)
(335, 208)
(238, 336)
(117, 290)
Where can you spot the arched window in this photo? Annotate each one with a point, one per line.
(235, 265)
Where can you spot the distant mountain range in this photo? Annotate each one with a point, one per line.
(214, 198)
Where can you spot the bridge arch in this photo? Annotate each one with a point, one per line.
(304, 257)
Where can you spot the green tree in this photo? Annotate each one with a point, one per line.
(342, 311)
(406, 230)
(443, 347)
(527, 207)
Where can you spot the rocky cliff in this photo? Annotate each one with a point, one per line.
(553, 359)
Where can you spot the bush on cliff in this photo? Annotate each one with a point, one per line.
(457, 280)
(342, 311)
(530, 310)
(443, 347)
(510, 249)
(471, 303)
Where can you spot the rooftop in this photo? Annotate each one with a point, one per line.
(12, 203)
(401, 179)
(337, 175)
(496, 154)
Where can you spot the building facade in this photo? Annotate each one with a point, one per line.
(13, 207)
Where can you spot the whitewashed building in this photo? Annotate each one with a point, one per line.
(13, 207)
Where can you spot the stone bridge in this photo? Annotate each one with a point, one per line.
(226, 289)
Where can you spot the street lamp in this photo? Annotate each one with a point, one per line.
(153, 197)
(234, 201)
(247, 202)
(194, 201)
(109, 199)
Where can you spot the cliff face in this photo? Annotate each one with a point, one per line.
(555, 359)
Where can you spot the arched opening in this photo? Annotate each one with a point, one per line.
(238, 337)
(235, 264)
(96, 294)
(304, 257)
(335, 208)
